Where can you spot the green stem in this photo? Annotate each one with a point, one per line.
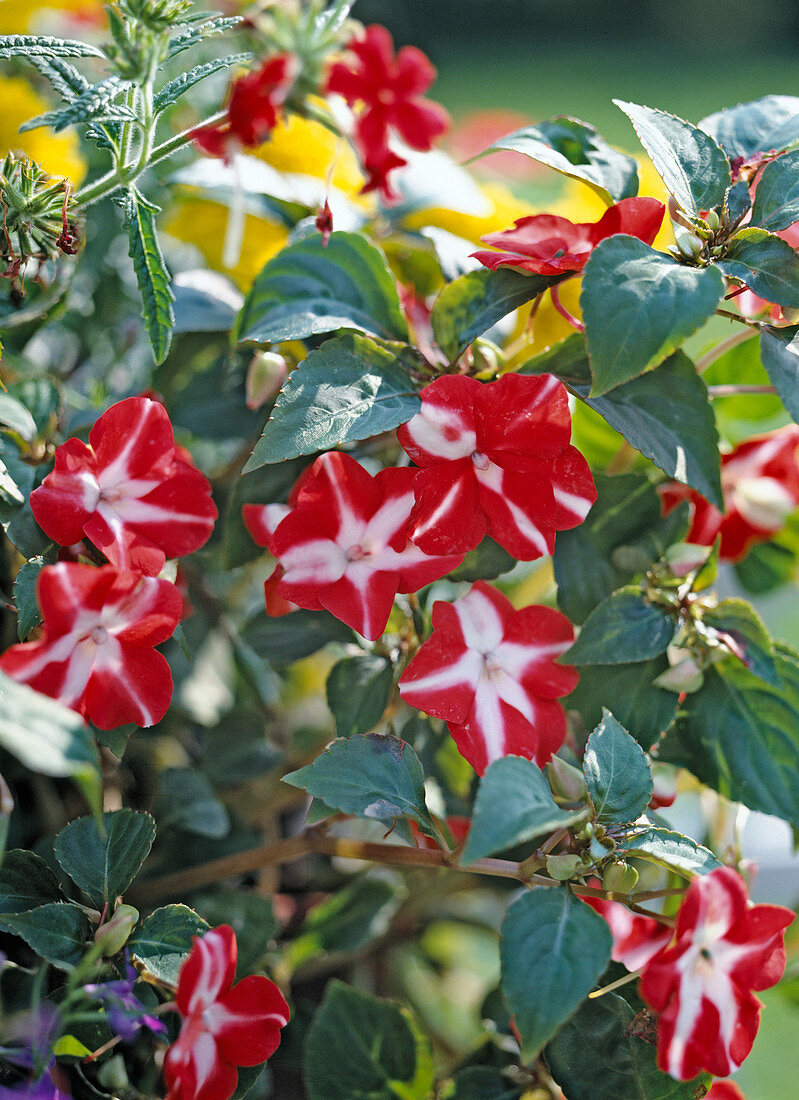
(737, 317)
(734, 389)
(725, 345)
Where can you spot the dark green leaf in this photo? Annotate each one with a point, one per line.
(624, 628)
(738, 201)
(200, 31)
(375, 777)
(267, 484)
(104, 862)
(743, 632)
(690, 163)
(469, 306)
(204, 302)
(639, 306)
(309, 289)
(163, 940)
(481, 1083)
(96, 104)
(600, 1054)
(59, 932)
(779, 349)
(767, 264)
(617, 774)
(25, 882)
(776, 204)
(28, 613)
(647, 711)
(577, 150)
(485, 562)
(770, 564)
(44, 45)
(151, 274)
(290, 638)
(249, 915)
(171, 92)
(358, 690)
(351, 388)
(553, 948)
(514, 804)
(665, 414)
(186, 801)
(15, 416)
(750, 128)
(380, 1053)
(673, 850)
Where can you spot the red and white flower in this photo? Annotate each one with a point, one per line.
(760, 482)
(343, 545)
(224, 1025)
(255, 104)
(702, 985)
(489, 672)
(725, 1090)
(131, 491)
(96, 654)
(636, 939)
(495, 460)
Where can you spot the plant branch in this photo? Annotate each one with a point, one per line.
(737, 317)
(725, 345)
(734, 389)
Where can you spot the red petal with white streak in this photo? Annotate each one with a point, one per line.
(246, 1022)
(636, 939)
(209, 970)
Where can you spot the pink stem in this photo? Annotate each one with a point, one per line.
(559, 306)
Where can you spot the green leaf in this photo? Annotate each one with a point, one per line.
(617, 774)
(290, 638)
(351, 388)
(198, 32)
(163, 940)
(771, 122)
(767, 264)
(779, 349)
(65, 78)
(186, 801)
(380, 1054)
(15, 416)
(104, 861)
(746, 636)
(643, 709)
(171, 92)
(766, 566)
(44, 45)
(471, 304)
(669, 849)
(25, 882)
(776, 204)
(553, 949)
(309, 289)
(96, 104)
(59, 932)
(624, 628)
(576, 150)
(249, 914)
(481, 1083)
(10, 495)
(358, 690)
(48, 737)
(485, 562)
(28, 613)
(741, 736)
(374, 777)
(665, 414)
(151, 273)
(514, 804)
(690, 163)
(639, 306)
(600, 1054)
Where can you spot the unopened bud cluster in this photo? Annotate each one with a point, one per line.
(157, 15)
(36, 214)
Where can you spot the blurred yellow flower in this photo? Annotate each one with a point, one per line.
(306, 147)
(24, 16)
(58, 154)
(502, 210)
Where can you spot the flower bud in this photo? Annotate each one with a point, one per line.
(763, 501)
(685, 677)
(113, 935)
(265, 375)
(619, 878)
(600, 849)
(684, 557)
(688, 243)
(487, 358)
(712, 220)
(566, 781)
(563, 867)
(790, 315)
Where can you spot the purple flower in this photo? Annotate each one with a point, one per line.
(43, 1089)
(126, 1014)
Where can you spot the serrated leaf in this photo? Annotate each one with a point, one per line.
(104, 861)
(196, 33)
(625, 627)
(309, 289)
(351, 388)
(643, 709)
(776, 204)
(186, 801)
(743, 632)
(171, 92)
(553, 949)
(44, 45)
(514, 804)
(15, 416)
(59, 932)
(65, 78)
(470, 305)
(577, 150)
(370, 776)
(690, 163)
(96, 104)
(290, 638)
(617, 775)
(749, 128)
(380, 1054)
(767, 264)
(779, 350)
(26, 882)
(28, 613)
(151, 274)
(638, 306)
(162, 941)
(665, 414)
(358, 690)
(669, 849)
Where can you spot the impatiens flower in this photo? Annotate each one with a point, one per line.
(489, 671)
(495, 461)
(253, 110)
(96, 654)
(702, 985)
(126, 1014)
(725, 1090)
(386, 91)
(131, 491)
(546, 244)
(224, 1025)
(760, 482)
(343, 545)
(636, 939)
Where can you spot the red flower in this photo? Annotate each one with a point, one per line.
(254, 108)
(224, 1025)
(546, 244)
(760, 482)
(343, 545)
(387, 91)
(702, 985)
(725, 1090)
(97, 655)
(495, 460)
(636, 939)
(131, 491)
(489, 671)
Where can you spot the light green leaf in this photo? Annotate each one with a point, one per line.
(767, 264)
(104, 861)
(669, 849)
(771, 122)
(28, 613)
(358, 690)
(10, 495)
(743, 632)
(151, 273)
(59, 932)
(624, 628)
(15, 416)
(171, 92)
(163, 940)
(96, 104)
(198, 32)
(617, 775)
(44, 45)
(26, 882)
(779, 349)
(776, 204)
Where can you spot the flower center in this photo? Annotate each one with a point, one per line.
(355, 552)
(99, 635)
(111, 495)
(492, 663)
(480, 460)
